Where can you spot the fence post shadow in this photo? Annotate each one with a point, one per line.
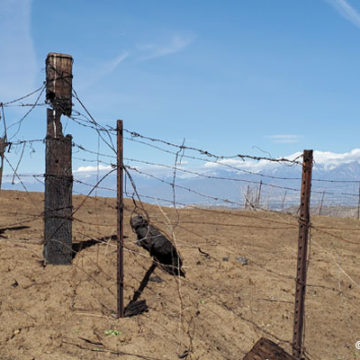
(136, 307)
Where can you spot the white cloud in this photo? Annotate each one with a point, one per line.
(176, 44)
(86, 169)
(284, 139)
(344, 8)
(18, 67)
(330, 159)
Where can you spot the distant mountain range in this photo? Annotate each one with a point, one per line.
(336, 180)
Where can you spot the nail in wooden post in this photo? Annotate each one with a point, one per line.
(120, 234)
(304, 224)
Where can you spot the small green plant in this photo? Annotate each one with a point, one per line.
(201, 302)
(112, 332)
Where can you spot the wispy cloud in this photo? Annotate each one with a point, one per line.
(344, 8)
(284, 139)
(177, 43)
(110, 66)
(141, 53)
(18, 67)
(104, 69)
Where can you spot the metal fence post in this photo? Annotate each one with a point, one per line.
(120, 210)
(304, 224)
(358, 207)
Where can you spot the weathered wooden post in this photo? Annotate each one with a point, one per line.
(247, 197)
(301, 270)
(321, 202)
(58, 169)
(258, 195)
(283, 201)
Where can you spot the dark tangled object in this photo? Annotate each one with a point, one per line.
(159, 247)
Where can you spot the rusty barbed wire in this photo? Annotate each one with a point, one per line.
(22, 97)
(19, 122)
(209, 154)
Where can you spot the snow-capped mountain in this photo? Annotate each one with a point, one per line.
(229, 182)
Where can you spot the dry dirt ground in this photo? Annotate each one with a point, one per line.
(218, 311)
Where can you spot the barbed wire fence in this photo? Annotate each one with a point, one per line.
(166, 194)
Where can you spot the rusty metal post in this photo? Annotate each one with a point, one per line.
(3, 145)
(358, 207)
(58, 168)
(120, 211)
(304, 224)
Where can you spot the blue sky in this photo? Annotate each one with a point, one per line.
(227, 76)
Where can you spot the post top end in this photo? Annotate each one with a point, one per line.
(59, 55)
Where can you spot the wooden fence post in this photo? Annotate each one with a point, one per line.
(283, 201)
(258, 195)
(304, 224)
(321, 202)
(120, 210)
(58, 168)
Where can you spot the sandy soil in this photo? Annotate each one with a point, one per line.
(218, 311)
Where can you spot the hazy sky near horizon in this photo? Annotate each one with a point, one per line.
(226, 76)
